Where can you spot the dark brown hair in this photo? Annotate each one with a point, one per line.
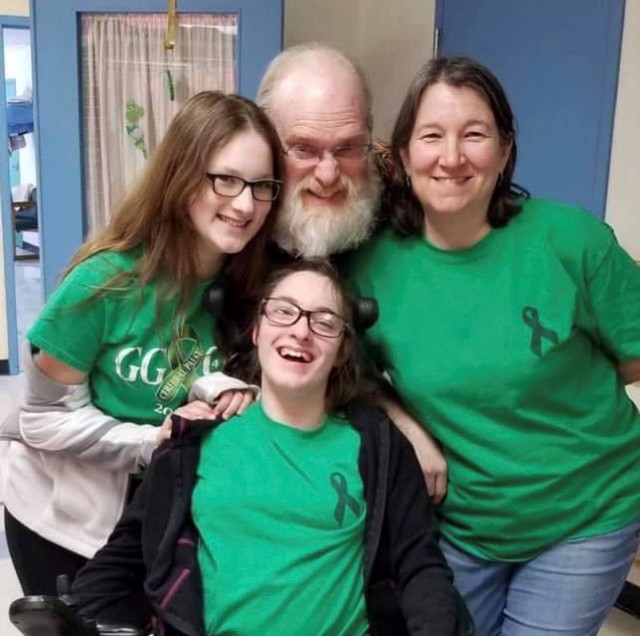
(343, 383)
(154, 215)
(405, 211)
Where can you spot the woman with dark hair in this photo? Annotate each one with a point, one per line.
(509, 326)
(124, 335)
(307, 514)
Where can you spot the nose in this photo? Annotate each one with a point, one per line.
(300, 329)
(451, 154)
(244, 202)
(327, 170)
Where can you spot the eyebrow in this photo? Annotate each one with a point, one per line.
(471, 122)
(297, 302)
(232, 172)
(480, 122)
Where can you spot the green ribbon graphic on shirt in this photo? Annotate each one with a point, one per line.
(183, 357)
(345, 500)
(531, 318)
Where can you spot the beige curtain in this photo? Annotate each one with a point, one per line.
(133, 86)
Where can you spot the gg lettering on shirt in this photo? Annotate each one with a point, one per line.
(139, 370)
(281, 515)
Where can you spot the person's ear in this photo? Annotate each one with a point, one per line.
(254, 335)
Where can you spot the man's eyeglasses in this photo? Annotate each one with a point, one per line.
(284, 313)
(227, 185)
(311, 155)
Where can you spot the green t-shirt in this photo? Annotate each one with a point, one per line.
(507, 353)
(281, 518)
(137, 373)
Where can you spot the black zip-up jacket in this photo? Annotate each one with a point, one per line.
(148, 570)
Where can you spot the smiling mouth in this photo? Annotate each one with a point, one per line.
(325, 195)
(294, 355)
(455, 180)
(233, 222)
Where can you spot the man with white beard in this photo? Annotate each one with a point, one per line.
(320, 104)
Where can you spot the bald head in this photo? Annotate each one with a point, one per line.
(317, 74)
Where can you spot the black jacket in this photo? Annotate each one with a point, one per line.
(148, 571)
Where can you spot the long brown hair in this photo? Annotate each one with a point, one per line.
(154, 215)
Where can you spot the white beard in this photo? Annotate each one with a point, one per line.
(320, 231)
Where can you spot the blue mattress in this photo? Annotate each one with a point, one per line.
(19, 117)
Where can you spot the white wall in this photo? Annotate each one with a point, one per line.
(623, 202)
(389, 39)
(623, 206)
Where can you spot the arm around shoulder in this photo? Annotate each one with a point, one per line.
(427, 451)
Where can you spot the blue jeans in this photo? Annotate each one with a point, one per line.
(566, 590)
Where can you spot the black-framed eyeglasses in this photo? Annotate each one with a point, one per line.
(230, 186)
(284, 313)
(347, 153)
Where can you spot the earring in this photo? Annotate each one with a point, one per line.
(407, 181)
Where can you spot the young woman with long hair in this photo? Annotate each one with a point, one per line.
(126, 332)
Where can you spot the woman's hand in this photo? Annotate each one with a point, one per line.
(432, 462)
(227, 395)
(196, 410)
(233, 402)
(427, 450)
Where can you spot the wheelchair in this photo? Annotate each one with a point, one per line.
(56, 616)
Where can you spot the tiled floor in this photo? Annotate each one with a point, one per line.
(29, 303)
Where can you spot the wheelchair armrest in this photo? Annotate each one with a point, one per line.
(53, 616)
(121, 630)
(48, 616)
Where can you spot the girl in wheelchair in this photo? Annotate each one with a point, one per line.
(305, 515)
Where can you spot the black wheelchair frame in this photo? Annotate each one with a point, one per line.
(56, 616)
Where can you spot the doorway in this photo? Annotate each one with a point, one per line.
(23, 184)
